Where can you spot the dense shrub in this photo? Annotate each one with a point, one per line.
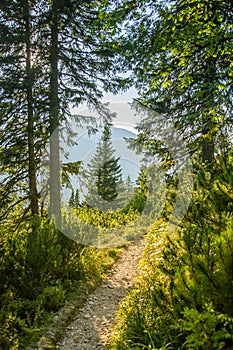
(39, 266)
(184, 296)
(108, 219)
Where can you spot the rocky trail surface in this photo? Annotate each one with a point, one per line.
(91, 328)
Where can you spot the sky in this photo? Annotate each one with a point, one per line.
(124, 127)
(119, 103)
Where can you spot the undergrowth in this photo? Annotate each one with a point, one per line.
(40, 270)
(183, 298)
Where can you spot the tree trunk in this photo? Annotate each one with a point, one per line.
(208, 124)
(33, 195)
(55, 189)
(207, 147)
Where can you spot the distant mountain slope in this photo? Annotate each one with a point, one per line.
(86, 147)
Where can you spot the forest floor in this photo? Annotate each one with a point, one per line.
(92, 325)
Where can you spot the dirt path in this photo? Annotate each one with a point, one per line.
(91, 328)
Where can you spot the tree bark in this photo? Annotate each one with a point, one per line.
(54, 182)
(33, 195)
(208, 124)
(207, 147)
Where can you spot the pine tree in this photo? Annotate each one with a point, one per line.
(139, 197)
(76, 199)
(22, 136)
(128, 185)
(54, 55)
(80, 69)
(179, 52)
(104, 175)
(71, 200)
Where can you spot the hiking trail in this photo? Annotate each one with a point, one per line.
(91, 328)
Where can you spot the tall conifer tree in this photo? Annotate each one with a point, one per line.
(180, 56)
(52, 58)
(104, 175)
(21, 134)
(80, 70)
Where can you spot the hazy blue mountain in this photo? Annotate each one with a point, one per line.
(86, 148)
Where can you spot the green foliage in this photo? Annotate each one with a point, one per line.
(179, 55)
(74, 201)
(106, 219)
(52, 298)
(183, 297)
(44, 72)
(39, 267)
(103, 175)
(132, 205)
(38, 253)
(71, 200)
(137, 202)
(206, 330)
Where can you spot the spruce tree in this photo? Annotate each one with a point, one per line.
(54, 55)
(80, 54)
(180, 58)
(128, 185)
(22, 136)
(103, 175)
(77, 199)
(71, 200)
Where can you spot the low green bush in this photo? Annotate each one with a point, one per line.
(206, 330)
(183, 298)
(52, 298)
(40, 268)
